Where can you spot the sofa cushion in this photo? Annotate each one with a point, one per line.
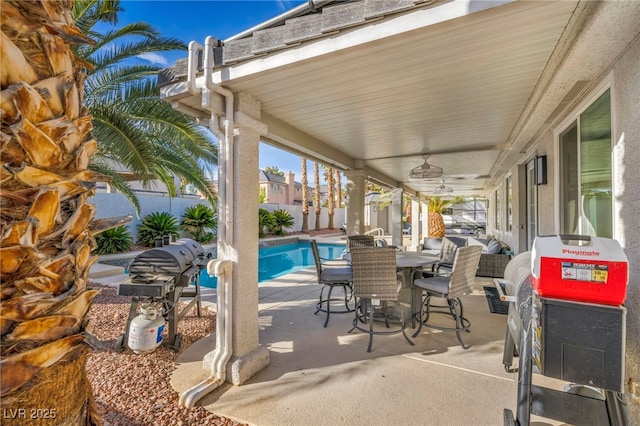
(432, 244)
(482, 242)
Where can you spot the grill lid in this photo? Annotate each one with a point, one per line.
(172, 259)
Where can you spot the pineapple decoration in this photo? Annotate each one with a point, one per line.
(46, 221)
(436, 206)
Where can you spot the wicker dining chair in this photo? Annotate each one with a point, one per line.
(360, 241)
(450, 287)
(375, 287)
(331, 275)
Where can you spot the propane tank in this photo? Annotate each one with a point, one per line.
(145, 332)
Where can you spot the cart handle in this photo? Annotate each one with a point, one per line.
(575, 237)
(503, 296)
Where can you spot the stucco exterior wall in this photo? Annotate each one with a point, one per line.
(626, 93)
(547, 197)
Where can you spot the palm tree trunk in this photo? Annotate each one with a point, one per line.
(47, 233)
(305, 198)
(339, 189)
(316, 194)
(331, 195)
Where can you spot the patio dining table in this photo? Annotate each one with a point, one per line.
(406, 263)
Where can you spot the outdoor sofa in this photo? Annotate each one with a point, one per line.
(494, 258)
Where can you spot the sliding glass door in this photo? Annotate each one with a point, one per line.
(585, 172)
(532, 203)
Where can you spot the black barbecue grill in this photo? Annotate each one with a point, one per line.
(161, 275)
(564, 340)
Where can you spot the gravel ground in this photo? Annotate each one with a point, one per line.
(132, 389)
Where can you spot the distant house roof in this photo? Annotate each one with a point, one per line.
(269, 177)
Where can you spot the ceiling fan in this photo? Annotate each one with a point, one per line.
(442, 189)
(425, 170)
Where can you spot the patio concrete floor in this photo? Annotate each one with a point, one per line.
(324, 376)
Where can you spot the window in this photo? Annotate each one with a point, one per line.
(585, 172)
(509, 203)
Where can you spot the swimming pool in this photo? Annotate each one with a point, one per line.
(276, 261)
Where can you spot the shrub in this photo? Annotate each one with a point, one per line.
(155, 225)
(114, 240)
(201, 222)
(265, 222)
(281, 219)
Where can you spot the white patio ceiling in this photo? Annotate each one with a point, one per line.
(452, 86)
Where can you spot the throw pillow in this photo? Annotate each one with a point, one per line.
(494, 247)
(381, 242)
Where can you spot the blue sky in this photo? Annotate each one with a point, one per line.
(195, 20)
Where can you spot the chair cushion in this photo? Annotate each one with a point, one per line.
(437, 285)
(336, 275)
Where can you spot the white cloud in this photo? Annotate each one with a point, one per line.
(154, 58)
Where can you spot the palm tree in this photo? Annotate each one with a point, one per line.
(436, 206)
(200, 221)
(47, 228)
(274, 170)
(305, 197)
(135, 129)
(316, 194)
(331, 195)
(339, 189)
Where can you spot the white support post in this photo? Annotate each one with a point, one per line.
(355, 201)
(396, 217)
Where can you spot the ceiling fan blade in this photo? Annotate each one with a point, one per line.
(440, 152)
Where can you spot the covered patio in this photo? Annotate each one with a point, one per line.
(480, 89)
(324, 376)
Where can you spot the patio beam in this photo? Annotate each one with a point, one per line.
(286, 137)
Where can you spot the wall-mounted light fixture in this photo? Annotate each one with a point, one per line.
(541, 170)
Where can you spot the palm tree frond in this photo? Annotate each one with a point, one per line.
(118, 182)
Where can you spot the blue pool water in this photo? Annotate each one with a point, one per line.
(281, 260)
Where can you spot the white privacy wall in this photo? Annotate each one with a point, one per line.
(113, 205)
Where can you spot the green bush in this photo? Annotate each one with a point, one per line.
(201, 222)
(265, 222)
(114, 240)
(154, 225)
(282, 219)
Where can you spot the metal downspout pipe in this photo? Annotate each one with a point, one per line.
(223, 265)
(227, 240)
